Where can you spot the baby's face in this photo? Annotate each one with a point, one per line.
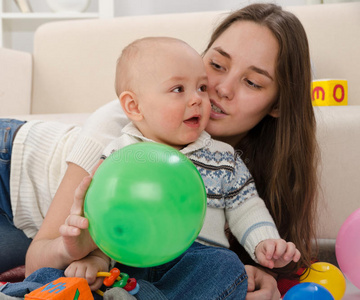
(173, 96)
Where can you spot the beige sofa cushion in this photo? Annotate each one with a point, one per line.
(74, 61)
(15, 79)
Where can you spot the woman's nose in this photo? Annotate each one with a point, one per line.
(224, 90)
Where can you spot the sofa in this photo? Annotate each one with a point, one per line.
(71, 73)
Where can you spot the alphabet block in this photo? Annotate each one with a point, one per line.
(329, 92)
(69, 288)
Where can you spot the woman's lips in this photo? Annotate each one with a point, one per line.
(216, 111)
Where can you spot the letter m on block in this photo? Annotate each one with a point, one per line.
(317, 90)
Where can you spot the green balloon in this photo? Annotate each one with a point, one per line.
(145, 205)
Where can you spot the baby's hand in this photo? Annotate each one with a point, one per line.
(88, 267)
(276, 253)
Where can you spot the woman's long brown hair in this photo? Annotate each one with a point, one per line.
(281, 153)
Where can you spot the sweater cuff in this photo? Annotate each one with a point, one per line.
(264, 231)
(252, 223)
(86, 153)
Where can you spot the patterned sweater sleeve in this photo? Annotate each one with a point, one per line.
(249, 219)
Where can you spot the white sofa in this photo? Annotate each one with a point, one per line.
(71, 73)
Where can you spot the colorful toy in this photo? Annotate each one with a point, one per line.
(69, 288)
(329, 92)
(308, 291)
(145, 205)
(116, 279)
(327, 275)
(347, 248)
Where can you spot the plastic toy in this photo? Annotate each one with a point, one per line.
(145, 205)
(347, 248)
(308, 291)
(327, 275)
(328, 92)
(69, 288)
(116, 279)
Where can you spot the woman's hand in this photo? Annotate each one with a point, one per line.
(76, 238)
(261, 286)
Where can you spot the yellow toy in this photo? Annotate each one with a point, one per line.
(70, 288)
(327, 275)
(329, 92)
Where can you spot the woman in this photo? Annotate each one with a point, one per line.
(277, 142)
(259, 83)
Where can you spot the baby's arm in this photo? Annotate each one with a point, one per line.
(276, 253)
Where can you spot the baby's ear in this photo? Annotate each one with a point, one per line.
(130, 105)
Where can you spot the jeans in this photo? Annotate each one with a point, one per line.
(13, 242)
(202, 272)
(8, 128)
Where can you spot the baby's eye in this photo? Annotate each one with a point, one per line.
(203, 88)
(178, 89)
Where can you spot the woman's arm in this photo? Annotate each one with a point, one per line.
(47, 248)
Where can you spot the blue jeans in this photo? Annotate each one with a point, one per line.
(13, 242)
(202, 272)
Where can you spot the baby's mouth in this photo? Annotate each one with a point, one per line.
(193, 120)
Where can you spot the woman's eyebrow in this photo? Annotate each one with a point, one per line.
(261, 71)
(254, 68)
(222, 52)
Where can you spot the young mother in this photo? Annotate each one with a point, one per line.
(258, 66)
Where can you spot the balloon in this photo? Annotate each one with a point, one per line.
(347, 248)
(145, 205)
(327, 275)
(308, 291)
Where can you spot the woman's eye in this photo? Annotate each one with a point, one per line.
(178, 89)
(203, 88)
(215, 65)
(252, 84)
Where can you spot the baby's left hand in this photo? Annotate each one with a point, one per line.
(277, 253)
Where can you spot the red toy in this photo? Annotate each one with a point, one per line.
(116, 279)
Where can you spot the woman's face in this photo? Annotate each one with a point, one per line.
(242, 86)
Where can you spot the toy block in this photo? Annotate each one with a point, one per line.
(69, 288)
(329, 92)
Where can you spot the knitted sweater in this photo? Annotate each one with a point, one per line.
(37, 167)
(40, 154)
(230, 188)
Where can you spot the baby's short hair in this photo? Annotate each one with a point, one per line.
(127, 65)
